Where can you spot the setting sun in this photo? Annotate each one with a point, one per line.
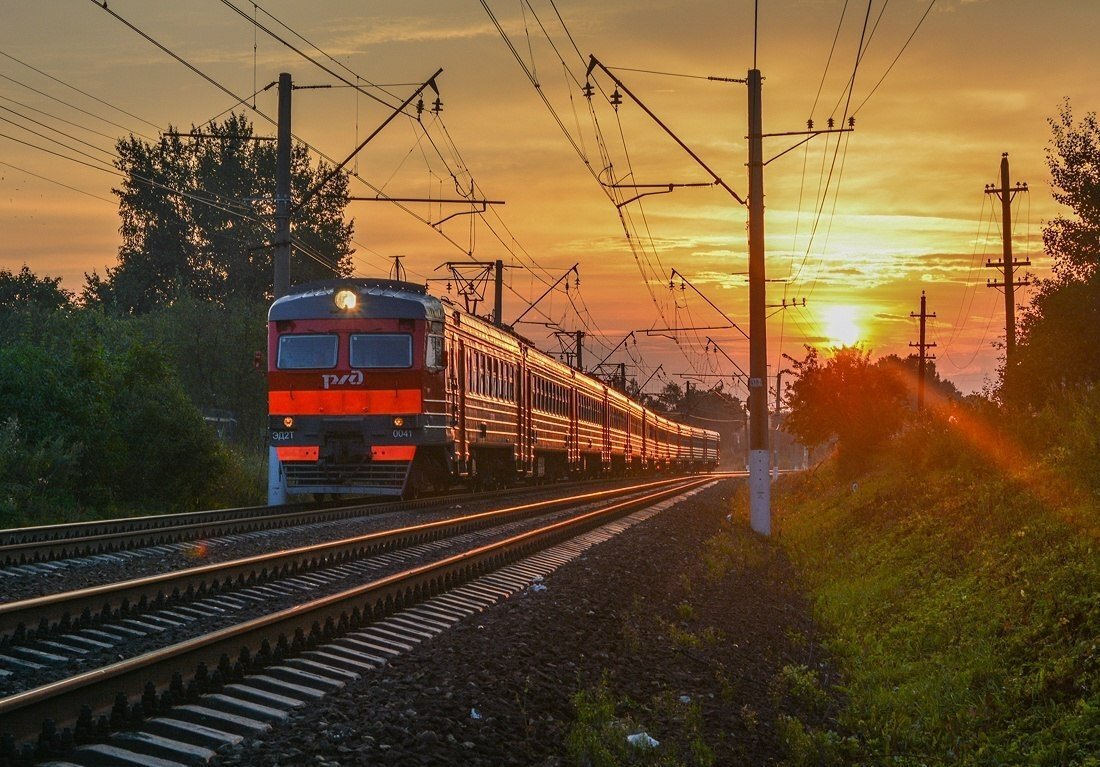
(841, 326)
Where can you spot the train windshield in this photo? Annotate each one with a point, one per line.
(299, 352)
(382, 350)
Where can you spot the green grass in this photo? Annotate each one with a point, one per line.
(963, 606)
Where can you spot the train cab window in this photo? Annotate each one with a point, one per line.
(381, 350)
(434, 357)
(305, 351)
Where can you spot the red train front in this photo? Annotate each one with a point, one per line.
(355, 388)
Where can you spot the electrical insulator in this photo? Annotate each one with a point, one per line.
(448, 286)
(437, 106)
(419, 106)
(577, 281)
(831, 122)
(852, 122)
(810, 124)
(588, 90)
(616, 98)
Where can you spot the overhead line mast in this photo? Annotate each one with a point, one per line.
(759, 437)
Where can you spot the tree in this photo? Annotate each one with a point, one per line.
(197, 220)
(25, 289)
(848, 399)
(937, 390)
(1073, 157)
(1060, 330)
(671, 396)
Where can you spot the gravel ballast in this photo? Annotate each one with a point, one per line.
(681, 628)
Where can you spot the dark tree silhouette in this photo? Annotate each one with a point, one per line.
(197, 220)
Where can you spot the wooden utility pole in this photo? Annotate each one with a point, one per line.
(760, 515)
(922, 347)
(1007, 263)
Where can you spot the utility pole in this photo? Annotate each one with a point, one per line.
(1007, 263)
(760, 515)
(580, 350)
(923, 347)
(282, 191)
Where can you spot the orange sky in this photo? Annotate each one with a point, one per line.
(901, 211)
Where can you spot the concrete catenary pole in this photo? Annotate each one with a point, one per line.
(760, 517)
(282, 191)
(276, 477)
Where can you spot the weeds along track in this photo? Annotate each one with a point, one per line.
(189, 633)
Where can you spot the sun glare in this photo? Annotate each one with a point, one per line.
(841, 326)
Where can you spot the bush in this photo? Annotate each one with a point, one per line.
(94, 420)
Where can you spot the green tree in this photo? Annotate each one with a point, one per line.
(197, 220)
(25, 289)
(212, 349)
(846, 398)
(1060, 330)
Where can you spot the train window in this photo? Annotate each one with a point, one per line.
(381, 350)
(302, 351)
(434, 353)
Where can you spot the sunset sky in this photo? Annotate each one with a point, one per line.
(858, 223)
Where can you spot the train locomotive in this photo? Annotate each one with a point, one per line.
(376, 387)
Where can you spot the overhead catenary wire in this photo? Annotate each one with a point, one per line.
(81, 92)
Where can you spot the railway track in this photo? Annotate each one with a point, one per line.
(248, 618)
(30, 548)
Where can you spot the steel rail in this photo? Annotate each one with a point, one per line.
(164, 589)
(49, 542)
(24, 714)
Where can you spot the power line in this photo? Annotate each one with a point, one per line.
(896, 58)
(71, 106)
(302, 53)
(55, 181)
(78, 90)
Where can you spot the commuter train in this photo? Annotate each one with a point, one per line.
(376, 387)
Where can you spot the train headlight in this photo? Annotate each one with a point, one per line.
(345, 299)
(288, 422)
(398, 421)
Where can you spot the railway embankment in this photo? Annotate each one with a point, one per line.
(958, 587)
